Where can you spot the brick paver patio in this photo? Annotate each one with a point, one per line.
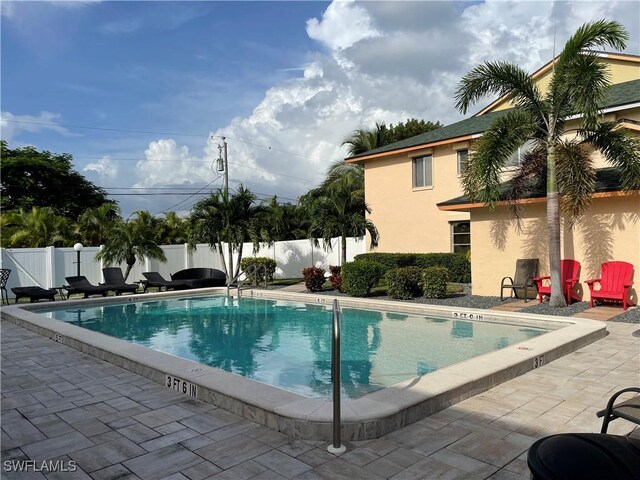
(60, 404)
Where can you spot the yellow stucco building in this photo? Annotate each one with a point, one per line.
(413, 188)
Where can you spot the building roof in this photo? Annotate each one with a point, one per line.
(607, 180)
(625, 57)
(617, 95)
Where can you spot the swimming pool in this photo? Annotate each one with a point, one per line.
(288, 344)
(380, 401)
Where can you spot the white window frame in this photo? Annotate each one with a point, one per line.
(423, 159)
(515, 159)
(458, 152)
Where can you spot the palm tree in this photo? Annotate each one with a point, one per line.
(37, 227)
(230, 219)
(172, 230)
(337, 207)
(560, 157)
(362, 140)
(94, 224)
(131, 239)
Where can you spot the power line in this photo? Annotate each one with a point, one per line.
(306, 180)
(121, 130)
(148, 132)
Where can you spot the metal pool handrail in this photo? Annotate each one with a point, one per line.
(336, 447)
(252, 270)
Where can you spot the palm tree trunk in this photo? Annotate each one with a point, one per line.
(553, 227)
(127, 271)
(230, 276)
(344, 249)
(223, 261)
(237, 272)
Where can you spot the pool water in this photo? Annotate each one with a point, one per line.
(288, 344)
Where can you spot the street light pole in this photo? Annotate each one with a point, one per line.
(78, 248)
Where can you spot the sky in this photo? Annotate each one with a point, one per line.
(140, 93)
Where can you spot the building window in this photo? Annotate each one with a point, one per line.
(462, 160)
(461, 237)
(422, 173)
(517, 157)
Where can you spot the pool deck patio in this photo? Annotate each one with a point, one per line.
(60, 404)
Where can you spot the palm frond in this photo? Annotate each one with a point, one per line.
(576, 178)
(593, 35)
(530, 174)
(498, 78)
(567, 91)
(620, 149)
(481, 178)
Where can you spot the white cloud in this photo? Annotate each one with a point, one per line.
(382, 62)
(343, 24)
(12, 125)
(9, 9)
(105, 168)
(167, 163)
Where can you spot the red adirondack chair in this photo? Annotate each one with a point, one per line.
(569, 274)
(615, 282)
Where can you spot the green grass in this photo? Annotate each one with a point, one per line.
(286, 281)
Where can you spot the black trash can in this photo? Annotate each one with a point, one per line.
(585, 456)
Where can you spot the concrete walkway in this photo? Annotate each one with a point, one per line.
(59, 404)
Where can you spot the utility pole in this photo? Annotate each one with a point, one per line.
(226, 169)
(223, 165)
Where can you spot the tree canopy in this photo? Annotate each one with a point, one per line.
(32, 178)
(363, 140)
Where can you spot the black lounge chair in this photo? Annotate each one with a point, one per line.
(114, 279)
(154, 279)
(522, 285)
(34, 293)
(629, 409)
(4, 278)
(80, 284)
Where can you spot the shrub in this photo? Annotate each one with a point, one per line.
(458, 264)
(358, 278)
(260, 269)
(434, 282)
(336, 278)
(404, 283)
(313, 278)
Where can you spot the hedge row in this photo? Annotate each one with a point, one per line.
(260, 269)
(457, 264)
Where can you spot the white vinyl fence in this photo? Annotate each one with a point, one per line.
(47, 267)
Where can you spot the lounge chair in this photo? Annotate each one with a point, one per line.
(34, 293)
(4, 278)
(628, 409)
(154, 279)
(569, 275)
(80, 284)
(522, 284)
(615, 283)
(114, 279)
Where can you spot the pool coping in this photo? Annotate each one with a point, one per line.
(367, 417)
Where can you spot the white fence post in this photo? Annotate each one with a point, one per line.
(51, 266)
